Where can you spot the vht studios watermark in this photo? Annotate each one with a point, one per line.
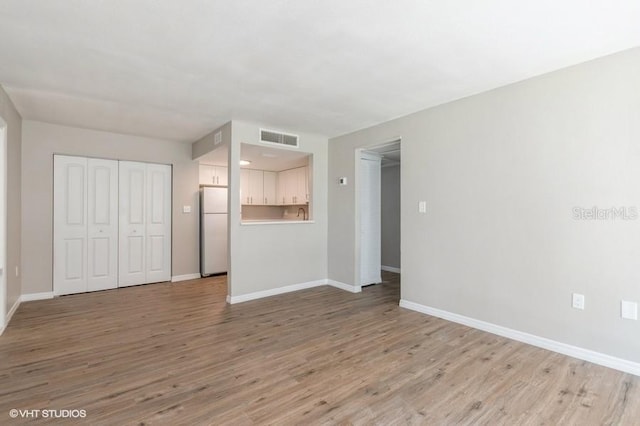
(611, 213)
(47, 414)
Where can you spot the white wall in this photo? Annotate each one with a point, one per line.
(501, 173)
(42, 140)
(390, 199)
(265, 257)
(14, 139)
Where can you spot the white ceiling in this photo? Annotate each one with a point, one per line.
(390, 153)
(178, 69)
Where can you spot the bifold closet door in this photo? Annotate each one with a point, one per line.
(158, 223)
(145, 223)
(102, 225)
(85, 224)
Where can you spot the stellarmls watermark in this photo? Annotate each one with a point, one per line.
(611, 213)
(15, 413)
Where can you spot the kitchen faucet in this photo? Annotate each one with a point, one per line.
(304, 213)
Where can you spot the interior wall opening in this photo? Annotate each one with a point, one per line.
(378, 214)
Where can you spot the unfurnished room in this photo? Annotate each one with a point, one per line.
(319, 213)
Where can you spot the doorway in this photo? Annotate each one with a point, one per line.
(377, 212)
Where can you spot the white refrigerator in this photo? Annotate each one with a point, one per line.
(213, 231)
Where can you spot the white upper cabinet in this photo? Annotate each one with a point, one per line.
(261, 187)
(293, 186)
(270, 188)
(252, 187)
(213, 175)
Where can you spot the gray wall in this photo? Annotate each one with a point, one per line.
(14, 211)
(390, 199)
(41, 141)
(207, 143)
(264, 257)
(501, 173)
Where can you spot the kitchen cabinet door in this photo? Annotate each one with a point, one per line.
(221, 175)
(256, 187)
(270, 188)
(245, 195)
(206, 174)
(301, 195)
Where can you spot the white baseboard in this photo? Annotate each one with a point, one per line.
(36, 296)
(187, 277)
(531, 339)
(343, 286)
(390, 269)
(274, 291)
(12, 311)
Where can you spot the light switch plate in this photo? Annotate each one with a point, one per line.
(578, 301)
(186, 209)
(629, 310)
(422, 206)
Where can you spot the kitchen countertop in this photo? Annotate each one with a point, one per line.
(273, 221)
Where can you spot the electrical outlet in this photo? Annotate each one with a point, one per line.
(629, 310)
(186, 209)
(578, 301)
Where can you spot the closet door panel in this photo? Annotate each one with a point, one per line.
(132, 217)
(158, 256)
(70, 225)
(102, 232)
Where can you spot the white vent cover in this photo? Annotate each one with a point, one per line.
(278, 138)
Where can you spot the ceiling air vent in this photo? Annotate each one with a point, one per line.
(268, 136)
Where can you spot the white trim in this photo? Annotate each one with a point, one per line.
(12, 311)
(541, 342)
(274, 291)
(390, 269)
(346, 287)
(186, 277)
(36, 296)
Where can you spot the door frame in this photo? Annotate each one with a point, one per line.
(3, 225)
(356, 187)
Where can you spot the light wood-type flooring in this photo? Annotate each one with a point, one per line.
(177, 354)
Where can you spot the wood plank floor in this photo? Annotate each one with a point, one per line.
(177, 354)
